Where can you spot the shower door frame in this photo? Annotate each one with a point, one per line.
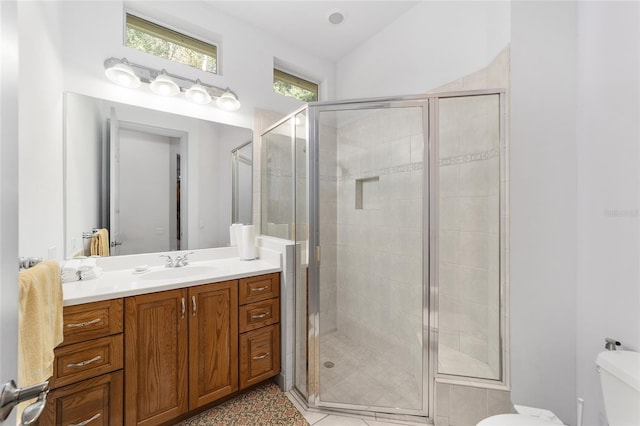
(430, 221)
(313, 359)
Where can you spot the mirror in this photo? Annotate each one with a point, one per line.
(167, 180)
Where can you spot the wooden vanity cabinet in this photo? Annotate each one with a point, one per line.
(259, 328)
(150, 359)
(182, 351)
(86, 387)
(156, 357)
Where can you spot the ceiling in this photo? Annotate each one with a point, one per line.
(304, 23)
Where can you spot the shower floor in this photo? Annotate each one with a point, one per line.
(451, 361)
(362, 377)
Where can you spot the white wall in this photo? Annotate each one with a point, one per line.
(543, 205)
(246, 61)
(434, 43)
(608, 134)
(40, 127)
(71, 40)
(9, 78)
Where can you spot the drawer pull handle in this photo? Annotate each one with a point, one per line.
(193, 304)
(184, 308)
(86, 422)
(263, 356)
(259, 316)
(84, 324)
(259, 288)
(83, 363)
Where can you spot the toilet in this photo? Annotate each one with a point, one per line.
(620, 380)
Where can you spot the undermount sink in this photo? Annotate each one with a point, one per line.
(173, 273)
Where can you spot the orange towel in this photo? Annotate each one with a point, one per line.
(40, 322)
(100, 243)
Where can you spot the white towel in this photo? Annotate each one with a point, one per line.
(87, 264)
(71, 265)
(68, 277)
(91, 274)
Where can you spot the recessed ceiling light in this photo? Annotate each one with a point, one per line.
(335, 17)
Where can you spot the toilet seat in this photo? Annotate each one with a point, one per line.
(515, 420)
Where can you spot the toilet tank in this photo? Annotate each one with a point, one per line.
(620, 380)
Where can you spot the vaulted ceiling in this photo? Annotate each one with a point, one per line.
(306, 24)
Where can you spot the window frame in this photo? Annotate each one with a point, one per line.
(279, 74)
(169, 33)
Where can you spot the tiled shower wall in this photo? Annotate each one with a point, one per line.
(469, 255)
(378, 231)
(328, 228)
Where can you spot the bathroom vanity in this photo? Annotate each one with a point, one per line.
(156, 352)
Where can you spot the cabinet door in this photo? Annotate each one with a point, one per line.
(259, 355)
(155, 357)
(95, 401)
(213, 342)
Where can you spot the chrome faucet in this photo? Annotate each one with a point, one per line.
(170, 262)
(178, 262)
(182, 260)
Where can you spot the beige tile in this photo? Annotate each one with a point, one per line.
(467, 405)
(449, 181)
(449, 213)
(474, 249)
(441, 421)
(442, 400)
(474, 214)
(498, 402)
(334, 420)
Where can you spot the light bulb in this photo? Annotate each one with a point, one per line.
(198, 94)
(228, 101)
(164, 86)
(123, 75)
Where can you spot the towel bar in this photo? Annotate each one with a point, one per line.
(89, 235)
(28, 262)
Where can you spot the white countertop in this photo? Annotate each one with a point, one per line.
(119, 278)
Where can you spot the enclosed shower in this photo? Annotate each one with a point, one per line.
(396, 207)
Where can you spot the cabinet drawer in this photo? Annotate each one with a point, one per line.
(86, 359)
(92, 320)
(259, 355)
(262, 287)
(94, 402)
(259, 314)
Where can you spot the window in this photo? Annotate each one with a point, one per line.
(295, 87)
(165, 43)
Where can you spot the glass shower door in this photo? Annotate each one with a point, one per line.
(370, 319)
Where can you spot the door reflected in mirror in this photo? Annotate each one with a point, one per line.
(157, 181)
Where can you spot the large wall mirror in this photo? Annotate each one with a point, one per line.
(157, 181)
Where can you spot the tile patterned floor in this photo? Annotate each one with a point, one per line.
(318, 418)
(363, 377)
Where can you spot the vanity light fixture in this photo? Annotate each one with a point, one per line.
(228, 101)
(122, 74)
(126, 74)
(164, 85)
(198, 94)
